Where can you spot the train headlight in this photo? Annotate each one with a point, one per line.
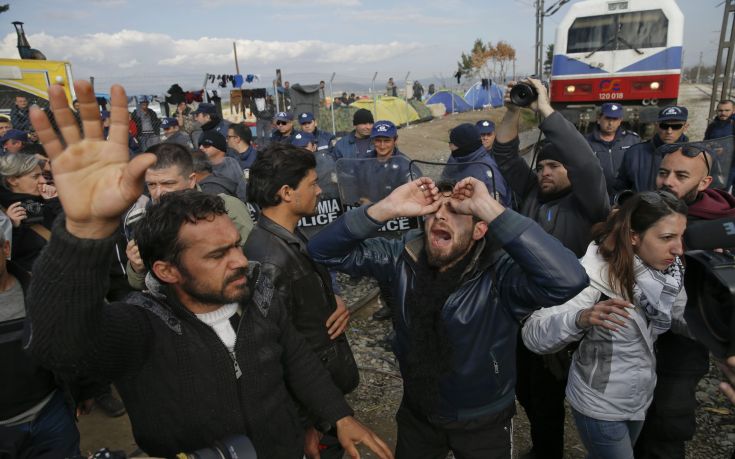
(655, 85)
(571, 88)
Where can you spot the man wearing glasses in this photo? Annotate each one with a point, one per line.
(284, 128)
(641, 162)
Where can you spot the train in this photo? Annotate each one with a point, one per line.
(625, 51)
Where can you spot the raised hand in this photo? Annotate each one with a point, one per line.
(94, 178)
(470, 197)
(413, 199)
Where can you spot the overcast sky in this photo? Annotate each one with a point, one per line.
(148, 45)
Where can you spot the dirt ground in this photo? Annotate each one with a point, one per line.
(378, 396)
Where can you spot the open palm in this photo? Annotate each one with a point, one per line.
(94, 178)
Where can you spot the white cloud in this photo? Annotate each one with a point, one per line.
(131, 55)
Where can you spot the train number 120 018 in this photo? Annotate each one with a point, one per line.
(611, 95)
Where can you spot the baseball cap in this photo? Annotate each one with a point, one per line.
(207, 108)
(362, 116)
(673, 113)
(214, 139)
(306, 117)
(104, 114)
(169, 122)
(485, 126)
(302, 139)
(383, 129)
(284, 116)
(14, 134)
(612, 110)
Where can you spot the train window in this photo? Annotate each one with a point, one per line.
(636, 30)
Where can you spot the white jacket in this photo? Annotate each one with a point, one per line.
(613, 374)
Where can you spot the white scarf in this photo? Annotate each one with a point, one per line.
(655, 292)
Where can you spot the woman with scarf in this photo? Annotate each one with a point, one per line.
(635, 294)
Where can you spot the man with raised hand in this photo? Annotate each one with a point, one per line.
(461, 289)
(207, 356)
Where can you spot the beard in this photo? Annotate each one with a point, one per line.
(206, 295)
(688, 197)
(437, 258)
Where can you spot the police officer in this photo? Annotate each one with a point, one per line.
(324, 140)
(284, 128)
(487, 134)
(609, 141)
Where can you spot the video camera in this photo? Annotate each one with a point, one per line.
(710, 284)
(232, 447)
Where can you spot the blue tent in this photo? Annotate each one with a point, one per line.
(478, 97)
(454, 102)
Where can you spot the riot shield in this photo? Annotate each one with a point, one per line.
(367, 180)
(447, 175)
(329, 206)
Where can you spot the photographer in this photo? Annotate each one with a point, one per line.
(210, 353)
(566, 196)
(681, 362)
(30, 203)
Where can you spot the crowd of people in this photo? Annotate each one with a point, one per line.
(173, 258)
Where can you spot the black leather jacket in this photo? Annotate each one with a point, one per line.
(305, 289)
(303, 286)
(516, 269)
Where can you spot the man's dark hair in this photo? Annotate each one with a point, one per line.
(243, 132)
(279, 164)
(157, 234)
(172, 154)
(726, 101)
(201, 162)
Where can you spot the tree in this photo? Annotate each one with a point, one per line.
(503, 54)
(549, 60)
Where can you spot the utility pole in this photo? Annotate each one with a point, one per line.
(699, 68)
(539, 60)
(540, 14)
(726, 45)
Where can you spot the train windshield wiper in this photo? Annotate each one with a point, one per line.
(626, 43)
(604, 45)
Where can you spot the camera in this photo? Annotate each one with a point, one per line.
(232, 447)
(34, 212)
(523, 94)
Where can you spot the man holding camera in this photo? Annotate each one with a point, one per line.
(566, 196)
(681, 362)
(208, 355)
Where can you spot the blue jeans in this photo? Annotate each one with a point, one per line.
(52, 434)
(607, 439)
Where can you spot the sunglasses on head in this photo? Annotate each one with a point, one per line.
(690, 150)
(667, 126)
(281, 123)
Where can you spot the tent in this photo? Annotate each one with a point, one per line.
(389, 108)
(479, 97)
(421, 109)
(454, 102)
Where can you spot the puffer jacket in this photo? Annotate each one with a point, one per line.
(613, 374)
(498, 289)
